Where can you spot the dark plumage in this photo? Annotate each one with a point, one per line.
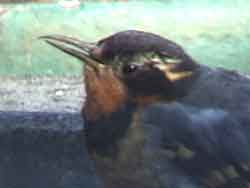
(130, 43)
(215, 141)
(126, 46)
(138, 137)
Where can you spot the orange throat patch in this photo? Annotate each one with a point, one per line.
(105, 93)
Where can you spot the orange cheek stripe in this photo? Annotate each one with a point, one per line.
(178, 76)
(172, 74)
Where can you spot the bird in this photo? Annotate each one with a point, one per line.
(146, 124)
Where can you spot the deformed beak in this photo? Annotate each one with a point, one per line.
(74, 47)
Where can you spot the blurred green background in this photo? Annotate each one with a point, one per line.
(216, 33)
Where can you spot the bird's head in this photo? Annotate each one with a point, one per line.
(130, 66)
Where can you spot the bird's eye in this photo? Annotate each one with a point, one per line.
(129, 68)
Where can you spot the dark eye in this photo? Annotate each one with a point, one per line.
(129, 68)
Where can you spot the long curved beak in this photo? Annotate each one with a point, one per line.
(74, 47)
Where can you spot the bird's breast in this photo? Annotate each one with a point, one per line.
(122, 161)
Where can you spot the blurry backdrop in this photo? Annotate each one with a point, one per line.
(216, 33)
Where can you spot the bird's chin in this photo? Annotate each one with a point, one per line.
(105, 93)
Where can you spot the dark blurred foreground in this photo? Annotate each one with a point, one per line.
(41, 135)
(41, 150)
